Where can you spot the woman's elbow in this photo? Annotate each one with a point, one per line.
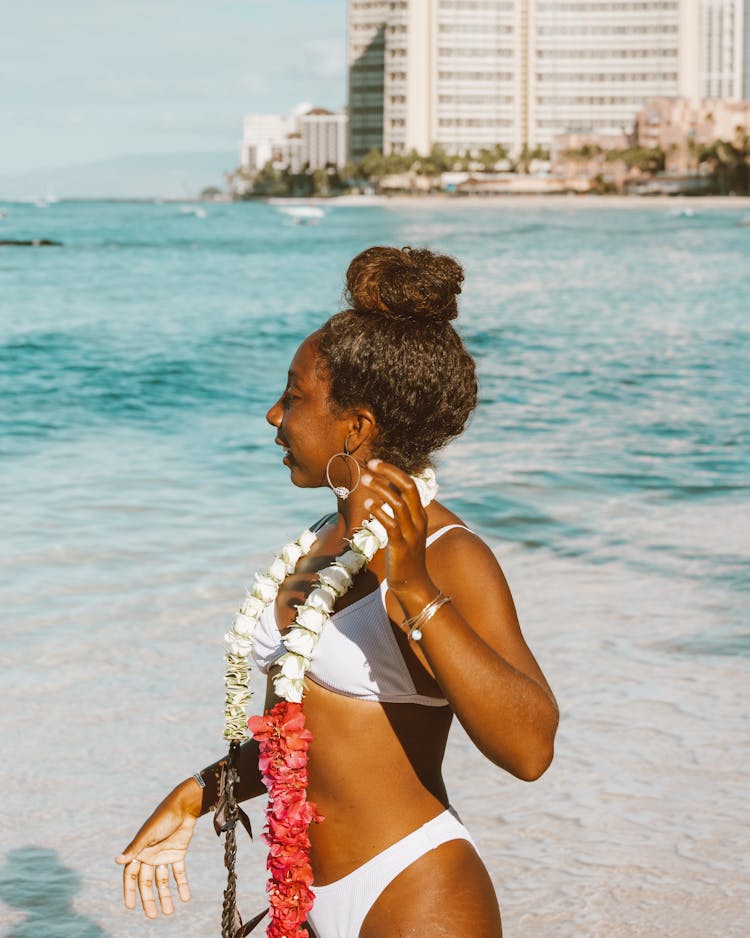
(535, 764)
(537, 755)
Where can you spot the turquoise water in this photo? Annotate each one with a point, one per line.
(608, 465)
(137, 361)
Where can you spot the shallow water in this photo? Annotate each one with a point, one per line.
(607, 465)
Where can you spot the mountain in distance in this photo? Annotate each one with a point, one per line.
(131, 176)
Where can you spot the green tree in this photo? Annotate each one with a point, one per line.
(647, 160)
(729, 163)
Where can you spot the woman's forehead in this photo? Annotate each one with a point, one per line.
(304, 366)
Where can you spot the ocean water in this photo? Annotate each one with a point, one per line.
(608, 465)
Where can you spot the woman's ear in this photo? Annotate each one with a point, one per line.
(363, 431)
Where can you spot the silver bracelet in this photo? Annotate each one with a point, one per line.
(415, 623)
(199, 779)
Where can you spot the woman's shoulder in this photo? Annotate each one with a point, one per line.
(453, 542)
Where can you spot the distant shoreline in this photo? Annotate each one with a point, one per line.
(542, 201)
(435, 200)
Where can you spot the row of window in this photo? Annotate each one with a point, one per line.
(469, 99)
(596, 53)
(630, 29)
(485, 29)
(475, 76)
(586, 126)
(369, 100)
(475, 5)
(554, 77)
(590, 99)
(474, 52)
(473, 122)
(591, 6)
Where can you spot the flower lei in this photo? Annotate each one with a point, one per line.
(281, 734)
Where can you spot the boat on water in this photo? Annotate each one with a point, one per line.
(302, 214)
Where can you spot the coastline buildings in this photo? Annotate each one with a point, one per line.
(725, 49)
(306, 137)
(466, 74)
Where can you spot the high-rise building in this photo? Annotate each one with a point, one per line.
(471, 73)
(323, 136)
(307, 137)
(451, 75)
(724, 46)
(593, 63)
(366, 33)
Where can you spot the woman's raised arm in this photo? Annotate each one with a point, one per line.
(473, 645)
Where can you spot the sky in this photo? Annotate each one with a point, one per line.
(87, 80)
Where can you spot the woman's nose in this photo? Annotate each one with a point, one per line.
(273, 416)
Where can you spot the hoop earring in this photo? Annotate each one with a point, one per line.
(342, 491)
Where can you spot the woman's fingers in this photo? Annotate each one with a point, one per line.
(162, 888)
(400, 481)
(141, 877)
(403, 502)
(146, 889)
(180, 877)
(129, 881)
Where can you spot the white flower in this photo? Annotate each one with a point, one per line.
(310, 618)
(291, 690)
(426, 486)
(277, 571)
(373, 525)
(352, 561)
(336, 578)
(366, 543)
(264, 588)
(291, 554)
(387, 509)
(292, 666)
(321, 598)
(252, 606)
(244, 625)
(306, 540)
(238, 644)
(300, 642)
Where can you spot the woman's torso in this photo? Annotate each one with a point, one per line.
(374, 765)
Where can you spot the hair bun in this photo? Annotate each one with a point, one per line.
(408, 283)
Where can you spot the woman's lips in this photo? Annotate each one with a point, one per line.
(287, 455)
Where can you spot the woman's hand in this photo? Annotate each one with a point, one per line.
(405, 559)
(162, 841)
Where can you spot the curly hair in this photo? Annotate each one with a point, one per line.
(396, 351)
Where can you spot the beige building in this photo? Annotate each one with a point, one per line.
(306, 137)
(724, 49)
(680, 126)
(471, 73)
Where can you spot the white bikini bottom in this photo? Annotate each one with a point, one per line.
(341, 907)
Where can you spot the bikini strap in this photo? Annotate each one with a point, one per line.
(322, 522)
(444, 530)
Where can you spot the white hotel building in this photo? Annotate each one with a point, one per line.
(471, 73)
(306, 137)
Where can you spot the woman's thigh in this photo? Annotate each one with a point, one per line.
(447, 893)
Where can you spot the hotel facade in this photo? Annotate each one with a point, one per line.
(465, 74)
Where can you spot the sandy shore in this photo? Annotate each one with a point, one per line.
(637, 829)
(678, 203)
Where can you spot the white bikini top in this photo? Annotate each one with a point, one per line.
(357, 654)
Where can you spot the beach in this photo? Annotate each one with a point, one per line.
(606, 466)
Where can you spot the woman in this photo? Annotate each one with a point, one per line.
(370, 397)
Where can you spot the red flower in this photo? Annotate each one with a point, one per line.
(283, 744)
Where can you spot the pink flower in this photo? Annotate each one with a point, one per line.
(283, 743)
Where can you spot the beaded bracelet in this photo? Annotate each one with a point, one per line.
(415, 623)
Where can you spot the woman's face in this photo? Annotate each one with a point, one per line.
(306, 427)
